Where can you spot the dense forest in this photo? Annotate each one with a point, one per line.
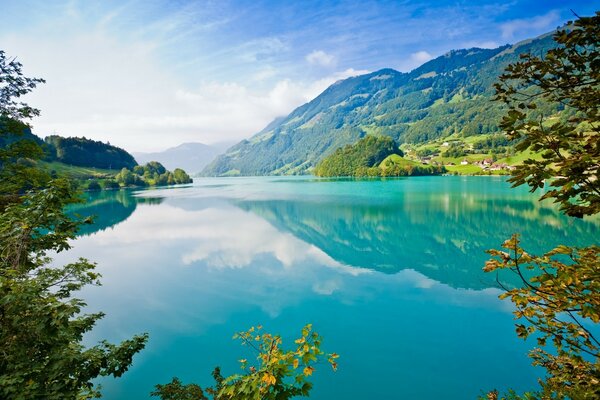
(87, 153)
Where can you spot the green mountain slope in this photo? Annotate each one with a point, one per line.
(448, 95)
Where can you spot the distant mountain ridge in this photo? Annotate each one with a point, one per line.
(447, 95)
(191, 157)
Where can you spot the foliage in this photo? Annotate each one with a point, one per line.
(492, 142)
(12, 86)
(511, 395)
(278, 374)
(560, 294)
(350, 159)
(93, 185)
(41, 324)
(570, 76)
(151, 174)
(454, 150)
(88, 153)
(17, 170)
(395, 165)
(110, 184)
(560, 303)
(175, 390)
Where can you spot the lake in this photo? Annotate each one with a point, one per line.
(387, 271)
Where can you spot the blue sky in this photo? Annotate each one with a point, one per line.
(151, 74)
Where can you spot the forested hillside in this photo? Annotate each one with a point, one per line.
(449, 95)
(88, 153)
(355, 159)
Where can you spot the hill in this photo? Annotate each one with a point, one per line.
(447, 96)
(355, 159)
(192, 157)
(93, 165)
(84, 152)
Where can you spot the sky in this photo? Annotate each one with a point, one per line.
(147, 75)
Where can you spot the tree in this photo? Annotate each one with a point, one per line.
(560, 305)
(15, 85)
(180, 176)
(93, 185)
(568, 75)
(560, 302)
(17, 173)
(278, 374)
(41, 324)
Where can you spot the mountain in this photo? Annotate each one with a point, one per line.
(192, 157)
(448, 95)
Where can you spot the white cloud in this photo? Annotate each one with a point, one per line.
(259, 49)
(320, 58)
(486, 44)
(415, 60)
(318, 86)
(516, 27)
(221, 238)
(264, 73)
(421, 56)
(119, 91)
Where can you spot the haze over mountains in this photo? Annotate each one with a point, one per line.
(192, 157)
(447, 95)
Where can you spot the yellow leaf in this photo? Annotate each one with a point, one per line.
(268, 378)
(308, 371)
(295, 363)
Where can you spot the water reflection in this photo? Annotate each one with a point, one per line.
(443, 236)
(108, 208)
(224, 255)
(438, 227)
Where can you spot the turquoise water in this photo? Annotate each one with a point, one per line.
(389, 272)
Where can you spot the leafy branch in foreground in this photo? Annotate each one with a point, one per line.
(560, 305)
(559, 300)
(568, 75)
(18, 172)
(41, 324)
(278, 374)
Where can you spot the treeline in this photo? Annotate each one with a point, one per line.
(87, 153)
(151, 174)
(82, 152)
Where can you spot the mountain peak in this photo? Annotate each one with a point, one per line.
(448, 95)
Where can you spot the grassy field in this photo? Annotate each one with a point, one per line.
(75, 172)
(464, 169)
(396, 159)
(437, 147)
